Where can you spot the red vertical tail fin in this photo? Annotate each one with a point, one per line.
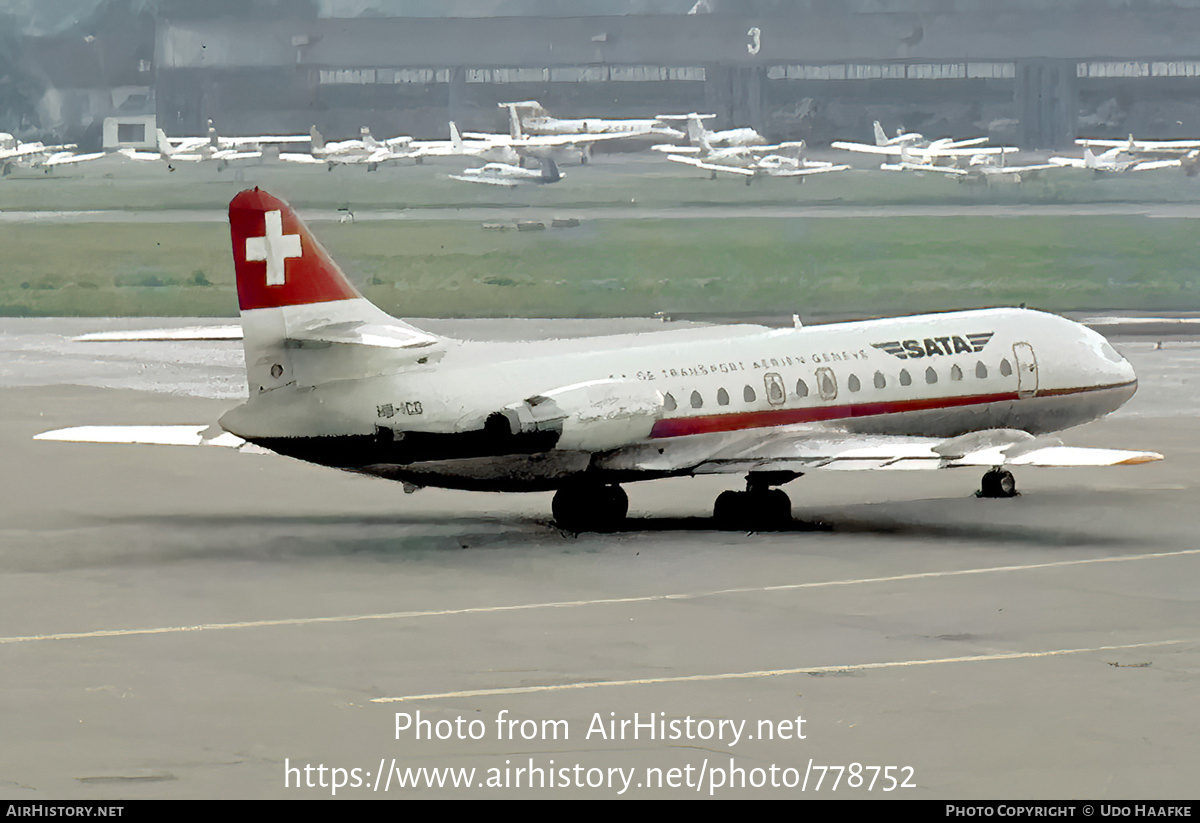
(296, 304)
(277, 260)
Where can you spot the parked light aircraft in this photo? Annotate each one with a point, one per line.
(902, 138)
(562, 147)
(701, 139)
(529, 119)
(985, 168)
(918, 147)
(747, 161)
(1115, 160)
(224, 150)
(1154, 147)
(19, 153)
(506, 174)
(336, 381)
(192, 150)
(753, 165)
(917, 141)
(38, 155)
(363, 151)
(255, 143)
(67, 157)
(490, 147)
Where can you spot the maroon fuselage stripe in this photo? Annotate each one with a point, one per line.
(680, 426)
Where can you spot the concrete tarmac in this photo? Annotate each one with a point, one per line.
(199, 623)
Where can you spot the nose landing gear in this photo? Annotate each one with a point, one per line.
(998, 483)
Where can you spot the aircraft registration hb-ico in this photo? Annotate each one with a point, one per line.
(336, 381)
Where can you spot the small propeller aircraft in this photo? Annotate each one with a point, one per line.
(334, 380)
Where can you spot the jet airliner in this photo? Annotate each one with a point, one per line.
(334, 380)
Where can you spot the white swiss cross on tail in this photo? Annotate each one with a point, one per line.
(275, 247)
(266, 233)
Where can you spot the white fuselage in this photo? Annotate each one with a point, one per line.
(690, 392)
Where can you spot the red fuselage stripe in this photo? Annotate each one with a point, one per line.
(680, 426)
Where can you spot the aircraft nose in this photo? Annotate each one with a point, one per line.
(1121, 369)
(1114, 371)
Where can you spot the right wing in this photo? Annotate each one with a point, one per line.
(996, 447)
(798, 450)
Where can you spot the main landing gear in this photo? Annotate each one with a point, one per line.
(759, 507)
(590, 507)
(998, 483)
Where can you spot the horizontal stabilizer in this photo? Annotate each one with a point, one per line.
(190, 435)
(182, 333)
(366, 334)
(360, 334)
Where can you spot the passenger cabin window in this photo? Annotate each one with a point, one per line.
(980, 370)
(852, 384)
(880, 380)
(955, 372)
(930, 375)
(696, 400)
(748, 395)
(1005, 367)
(669, 402)
(905, 378)
(801, 388)
(722, 397)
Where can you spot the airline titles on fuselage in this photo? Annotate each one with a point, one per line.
(934, 346)
(740, 365)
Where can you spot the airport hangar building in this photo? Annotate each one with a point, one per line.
(1034, 73)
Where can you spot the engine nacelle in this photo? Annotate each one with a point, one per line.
(592, 417)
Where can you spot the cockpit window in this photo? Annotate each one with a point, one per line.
(1108, 351)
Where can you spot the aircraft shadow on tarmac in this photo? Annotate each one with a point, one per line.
(883, 527)
(142, 540)
(915, 519)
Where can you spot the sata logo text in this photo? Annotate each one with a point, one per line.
(935, 346)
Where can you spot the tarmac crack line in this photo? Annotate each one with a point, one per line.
(763, 673)
(565, 604)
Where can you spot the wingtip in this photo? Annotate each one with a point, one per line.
(1143, 457)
